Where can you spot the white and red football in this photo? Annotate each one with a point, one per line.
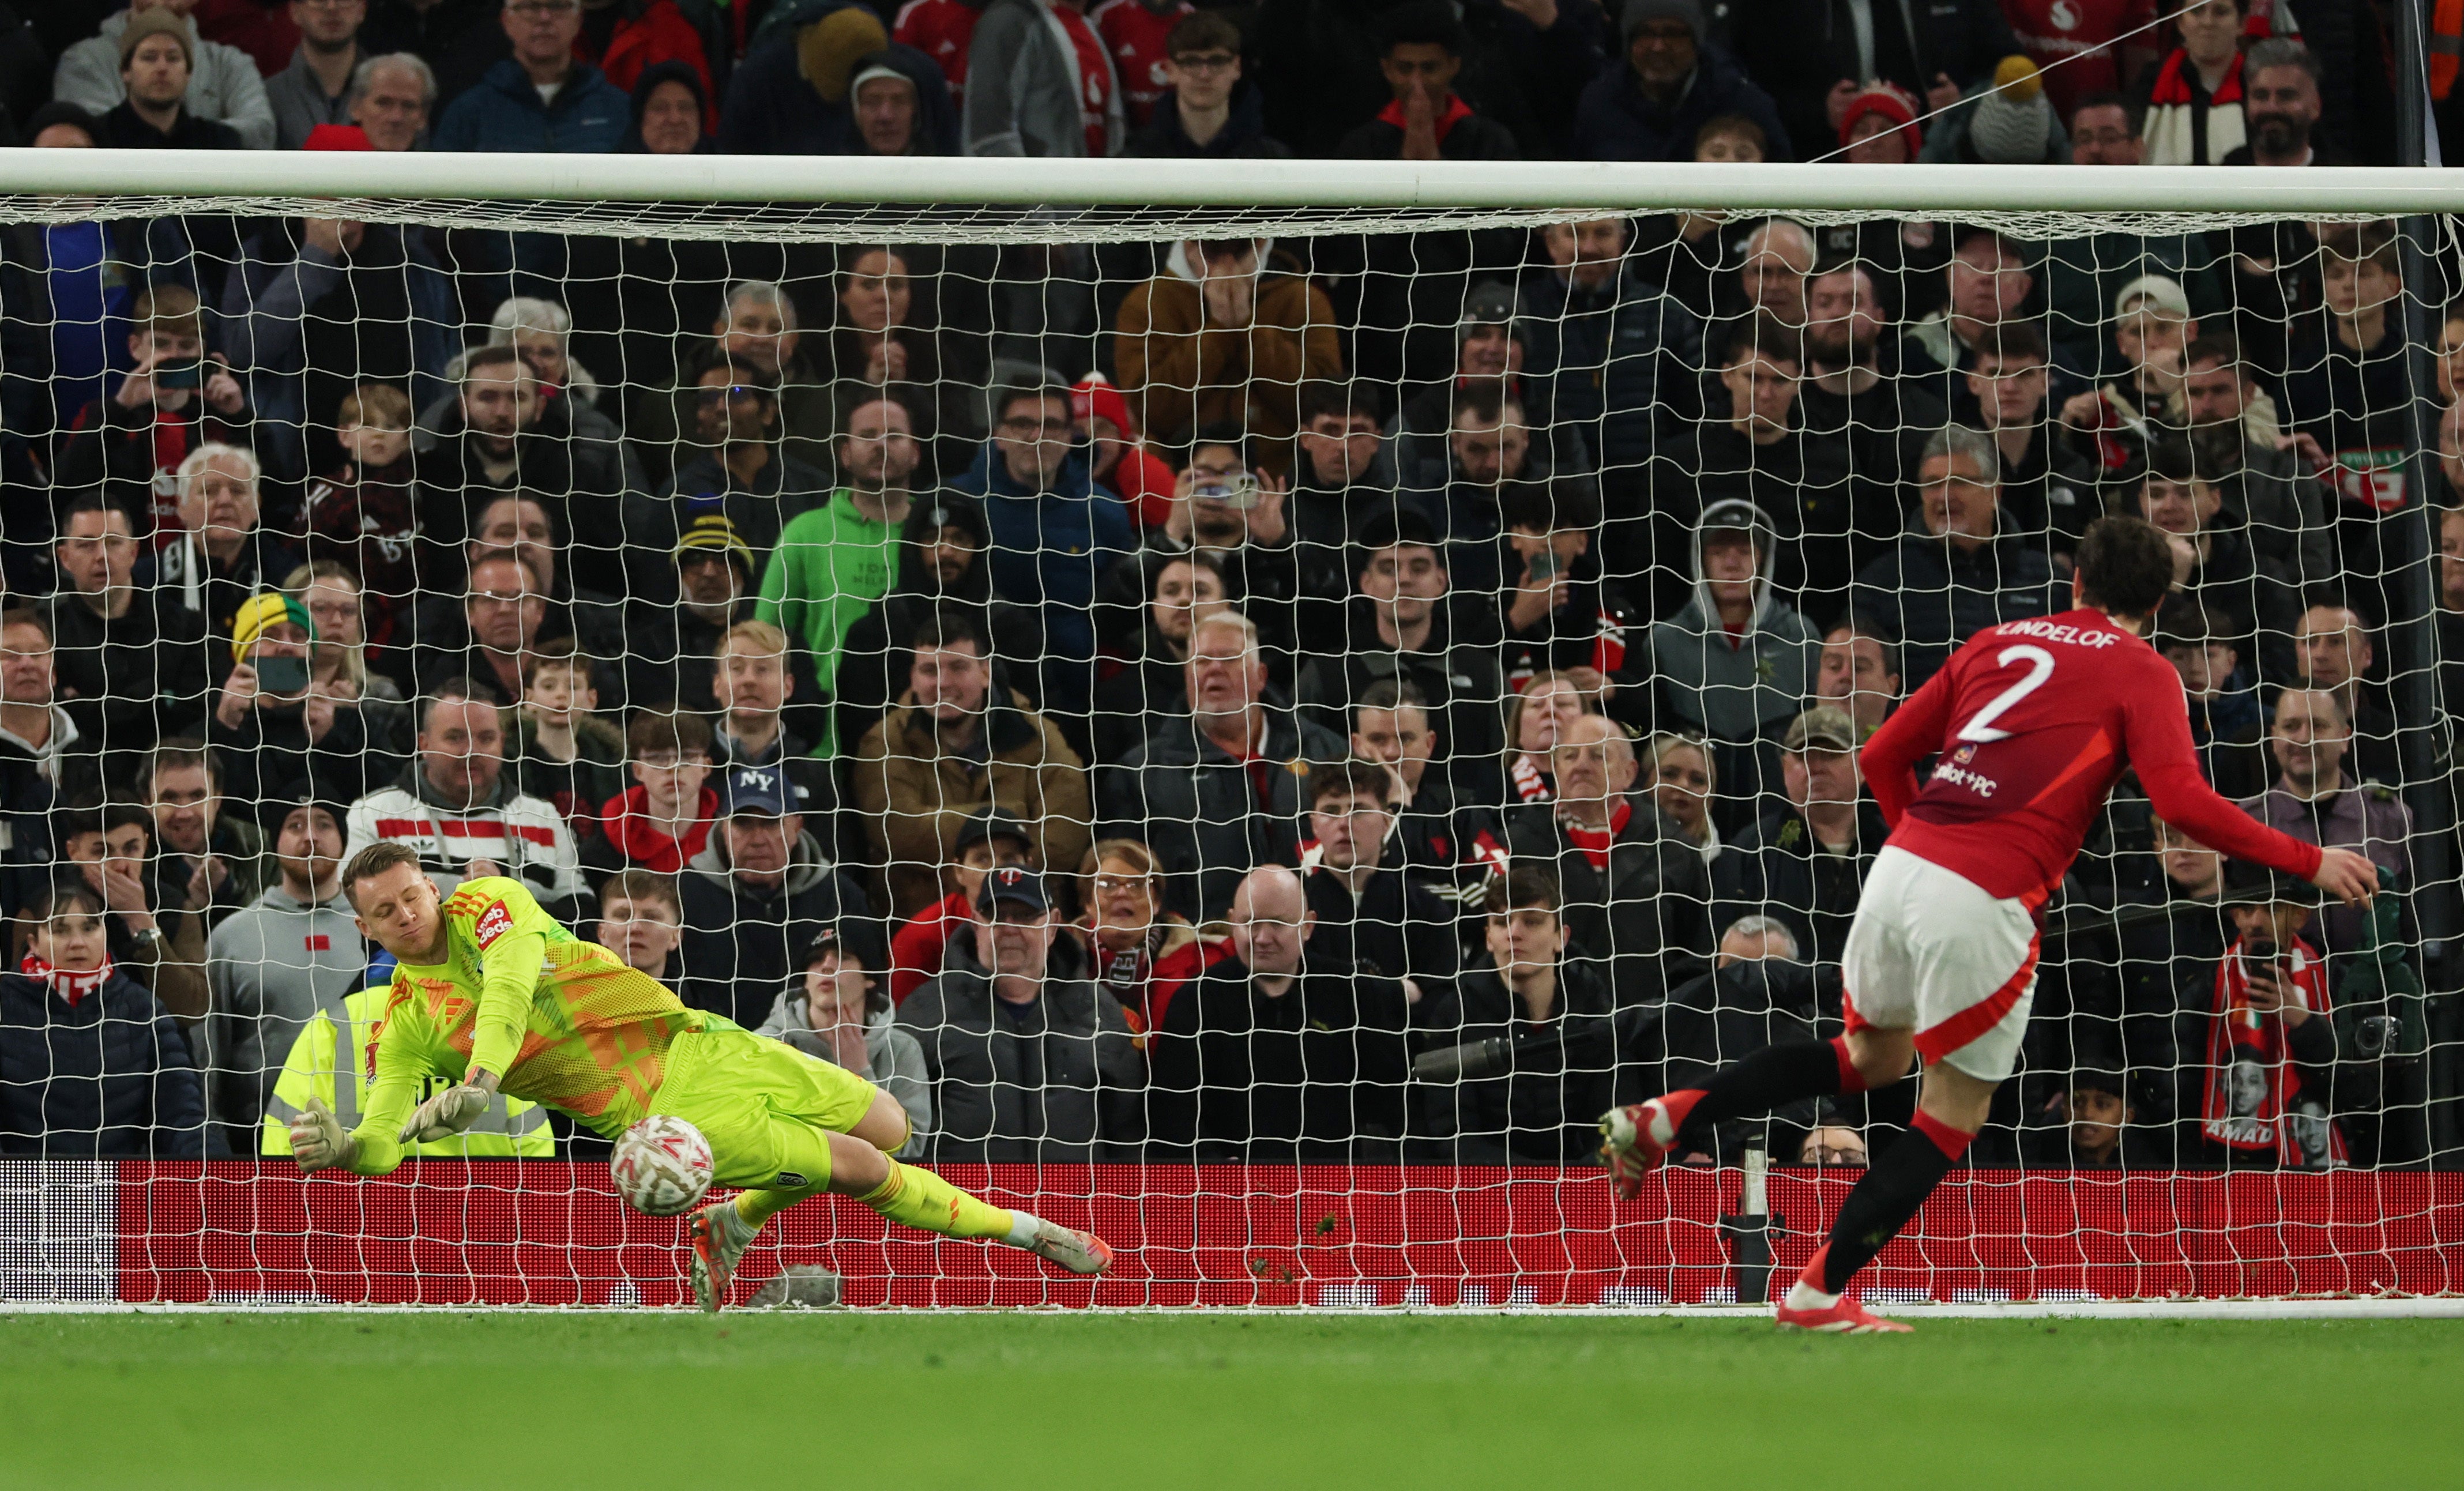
(662, 1166)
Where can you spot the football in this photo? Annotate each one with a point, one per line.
(662, 1166)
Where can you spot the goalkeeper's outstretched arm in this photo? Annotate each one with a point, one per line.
(319, 1142)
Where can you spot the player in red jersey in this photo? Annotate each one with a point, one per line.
(2031, 723)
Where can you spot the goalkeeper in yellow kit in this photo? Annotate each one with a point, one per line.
(492, 995)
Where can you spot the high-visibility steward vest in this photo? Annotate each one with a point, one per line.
(2446, 43)
(511, 1127)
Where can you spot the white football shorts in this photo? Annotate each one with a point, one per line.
(1935, 953)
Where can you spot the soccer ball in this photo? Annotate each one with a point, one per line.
(662, 1166)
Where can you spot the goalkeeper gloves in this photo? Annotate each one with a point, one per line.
(317, 1141)
(453, 1110)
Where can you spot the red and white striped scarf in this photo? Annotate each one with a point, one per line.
(71, 984)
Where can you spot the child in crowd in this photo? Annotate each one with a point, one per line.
(992, 840)
(641, 920)
(364, 513)
(663, 821)
(560, 751)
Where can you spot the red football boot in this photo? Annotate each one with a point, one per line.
(1631, 1142)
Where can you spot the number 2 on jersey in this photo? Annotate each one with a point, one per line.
(2040, 667)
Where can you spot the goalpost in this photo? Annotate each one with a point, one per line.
(1796, 336)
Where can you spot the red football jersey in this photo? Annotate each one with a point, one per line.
(940, 30)
(1095, 81)
(2033, 722)
(2077, 35)
(1133, 32)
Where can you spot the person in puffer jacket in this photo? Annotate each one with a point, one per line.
(91, 1065)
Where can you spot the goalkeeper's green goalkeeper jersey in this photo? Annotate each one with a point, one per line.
(562, 1021)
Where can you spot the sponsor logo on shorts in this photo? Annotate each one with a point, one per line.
(493, 923)
(790, 1180)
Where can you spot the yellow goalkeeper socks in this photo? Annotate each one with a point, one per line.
(924, 1200)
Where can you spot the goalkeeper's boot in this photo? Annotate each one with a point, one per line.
(1844, 1318)
(719, 1235)
(1079, 1252)
(1633, 1141)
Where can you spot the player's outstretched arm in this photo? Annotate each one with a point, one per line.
(505, 921)
(2348, 877)
(450, 1111)
(317, 1141)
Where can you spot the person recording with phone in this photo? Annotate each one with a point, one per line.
(1558, 613)
(275, 731)
(2269, 1035)
(173, 399)
(1227, 508)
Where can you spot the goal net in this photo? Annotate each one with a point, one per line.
(1255, 724)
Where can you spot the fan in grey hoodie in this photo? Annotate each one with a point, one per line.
(893, 1058)
(1736, 661)
(273, 964)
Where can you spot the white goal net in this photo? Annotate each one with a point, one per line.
(1255, 723)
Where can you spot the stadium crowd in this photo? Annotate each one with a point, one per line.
(1374, 697)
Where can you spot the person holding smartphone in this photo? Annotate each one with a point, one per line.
(173, 399)
(274, 735)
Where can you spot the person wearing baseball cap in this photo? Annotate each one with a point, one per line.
(761, 881)
(1804, 862)
(990, 839)
(1033, 1062)
(1672, 84)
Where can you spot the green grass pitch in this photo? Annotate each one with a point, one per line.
(884, 1402)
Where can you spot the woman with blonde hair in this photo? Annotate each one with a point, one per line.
(1141, 953)
(1678, 771)
(337, 663)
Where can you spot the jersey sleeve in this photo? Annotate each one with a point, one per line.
(504, 921)
(1913, 732)
(2156, 717)
(401, 1067)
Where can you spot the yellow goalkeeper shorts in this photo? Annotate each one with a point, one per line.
(766, 1107)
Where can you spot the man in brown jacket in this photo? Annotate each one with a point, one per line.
(948, 750)
(1217, 340)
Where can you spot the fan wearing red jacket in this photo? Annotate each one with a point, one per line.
(2031, 723)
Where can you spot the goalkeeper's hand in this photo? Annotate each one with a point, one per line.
(453, 1110)
(317, 1141)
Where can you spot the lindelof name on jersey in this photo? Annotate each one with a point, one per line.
(1954, 770)
(2050, 633)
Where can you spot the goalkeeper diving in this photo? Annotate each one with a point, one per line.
(492, 994)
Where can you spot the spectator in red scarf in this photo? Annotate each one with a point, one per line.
(1141, 954)
(1427, 121)
(1635, 888)
(663, 821)
(2271, 1051)
(2194, 104)
(96, 1066)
